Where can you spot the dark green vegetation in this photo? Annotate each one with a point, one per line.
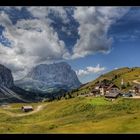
(76, 115)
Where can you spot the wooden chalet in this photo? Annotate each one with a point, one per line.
(101, 88)
(95, 92)
(112, 88)
(105, 86)
(112, 95)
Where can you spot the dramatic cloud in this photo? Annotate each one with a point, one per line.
(43, 12)
(93, 29)
(90, 70)
(34, 40)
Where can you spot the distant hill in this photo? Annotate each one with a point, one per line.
(127, 74)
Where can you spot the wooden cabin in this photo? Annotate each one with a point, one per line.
(95, 92)
(101, 88)
(106, 87)
(112, 88)
(27, 108)
(112, 95)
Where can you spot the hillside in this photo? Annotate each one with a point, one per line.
(76, 115)
(127, 74)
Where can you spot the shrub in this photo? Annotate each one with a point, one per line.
(123, 86)
(52, 126)
(128, 84)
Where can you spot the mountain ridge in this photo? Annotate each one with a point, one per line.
(48, 78)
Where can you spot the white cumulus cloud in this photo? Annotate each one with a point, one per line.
(44, 11)
(94, 25)
(90, 70)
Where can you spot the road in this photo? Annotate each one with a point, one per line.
(136, 82)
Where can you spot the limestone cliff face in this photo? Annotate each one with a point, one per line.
(43, 77)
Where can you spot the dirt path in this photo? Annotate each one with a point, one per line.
(136, 97)
(136, 82)
(40, 107)
(37, 109)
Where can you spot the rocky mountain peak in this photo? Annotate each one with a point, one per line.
(6, 78)
(44, 76)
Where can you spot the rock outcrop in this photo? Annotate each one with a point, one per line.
(49, 78)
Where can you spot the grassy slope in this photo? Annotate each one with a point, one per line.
(76, 115)
(128, 75)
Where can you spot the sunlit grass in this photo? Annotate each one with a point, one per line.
(76, 115)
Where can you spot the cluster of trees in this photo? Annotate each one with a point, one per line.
(115, 77)
(61, 95)
(124, 86)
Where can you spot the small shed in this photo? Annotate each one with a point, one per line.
(27, 108)
(112, 95)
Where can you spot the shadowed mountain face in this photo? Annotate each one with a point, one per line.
(8, 91)
(54, 79)
(6, 78)
(49, 78)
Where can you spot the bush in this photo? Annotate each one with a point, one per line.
(128, 84)
(46, 100)
(84, 107)
(52, 126)
(123, 87)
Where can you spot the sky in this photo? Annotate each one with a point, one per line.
(93, 40)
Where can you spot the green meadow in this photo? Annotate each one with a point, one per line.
(75, 115)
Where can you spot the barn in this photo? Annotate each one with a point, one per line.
(27, 108)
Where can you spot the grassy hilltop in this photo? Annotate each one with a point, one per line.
(76, 115)
(115, 76)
